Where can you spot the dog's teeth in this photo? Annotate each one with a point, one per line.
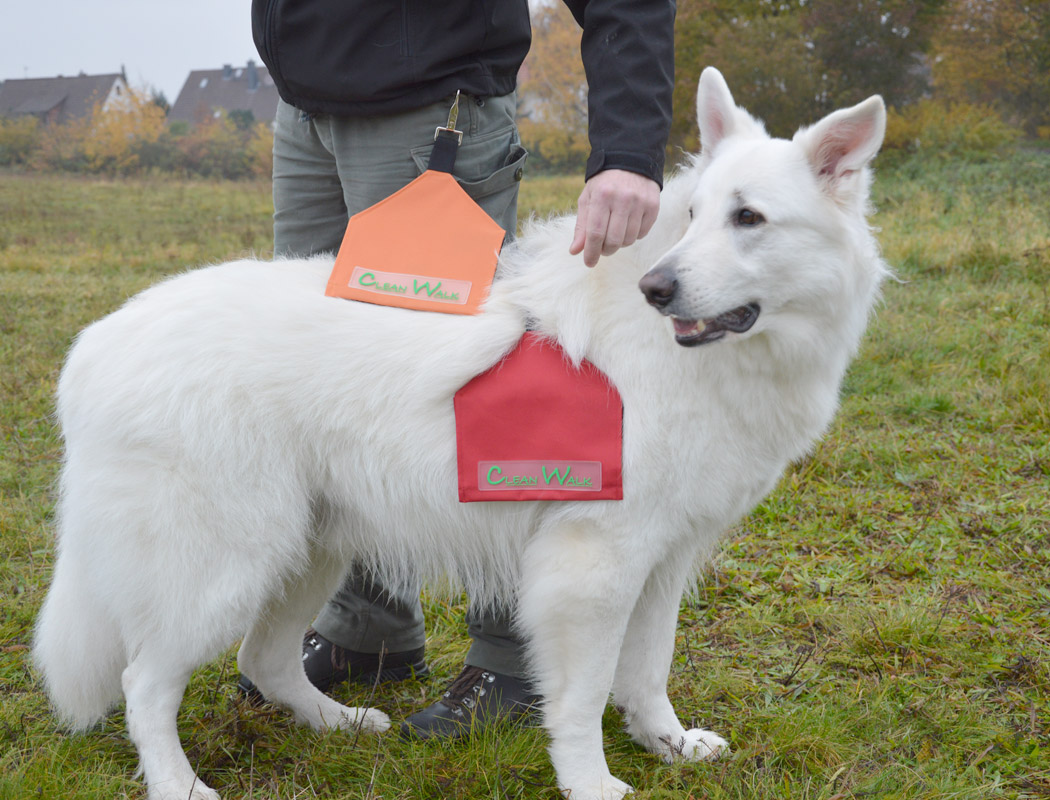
(686, 326)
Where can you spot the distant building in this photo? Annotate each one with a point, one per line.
(209, 92)
(58, 100)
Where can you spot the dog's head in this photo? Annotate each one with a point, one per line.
(771, 221)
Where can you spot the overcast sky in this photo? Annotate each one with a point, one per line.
(158, 43)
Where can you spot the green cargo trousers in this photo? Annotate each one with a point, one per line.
(328, 168)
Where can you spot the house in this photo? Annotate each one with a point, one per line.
(61, 99)
(208, 92)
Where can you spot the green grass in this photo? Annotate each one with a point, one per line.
(878, 627)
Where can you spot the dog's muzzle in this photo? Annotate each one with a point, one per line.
(660, 286)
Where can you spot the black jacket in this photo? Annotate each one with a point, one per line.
(368, 57)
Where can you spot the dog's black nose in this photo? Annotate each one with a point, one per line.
(659, 286)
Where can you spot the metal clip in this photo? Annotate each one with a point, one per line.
(453, 115)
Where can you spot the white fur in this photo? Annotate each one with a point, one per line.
(231, 431)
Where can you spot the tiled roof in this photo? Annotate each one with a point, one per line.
(66, 98)
(231, 88)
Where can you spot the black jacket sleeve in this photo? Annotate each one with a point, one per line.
(628, 55)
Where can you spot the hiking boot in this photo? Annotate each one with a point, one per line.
(477, 697)
(327, 664)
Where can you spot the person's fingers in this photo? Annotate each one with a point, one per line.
(648, 218)
(595, 229)
(615, 209)
(616, 235)
(579, 236)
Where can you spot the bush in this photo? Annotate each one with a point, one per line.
(133, 137)
(61, 147)
(115, 137)
(951, 129)
(553, 149)
(19, 139)
(215, 148)
(260, 150)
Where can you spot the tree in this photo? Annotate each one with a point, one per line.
(769, 68)
(997, 53)
(113, 134)
(158, 97)
(760, 48)
(554, 86)
(552, 95)
(242, 118)
(873, 46)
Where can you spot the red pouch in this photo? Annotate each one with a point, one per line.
(534, 427)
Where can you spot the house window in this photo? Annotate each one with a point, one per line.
(204, 82)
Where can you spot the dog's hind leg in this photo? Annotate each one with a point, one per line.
(640, 686)
(576, 595)
(271, 653)
(154, 683)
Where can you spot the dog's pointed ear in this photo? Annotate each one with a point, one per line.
(844, 142)
(714, 108)
(717, 113)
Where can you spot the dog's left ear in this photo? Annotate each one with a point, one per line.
(845, 141)
(718, 115)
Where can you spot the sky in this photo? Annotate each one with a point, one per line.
(158, 43)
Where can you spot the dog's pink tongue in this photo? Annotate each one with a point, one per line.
(684, 327)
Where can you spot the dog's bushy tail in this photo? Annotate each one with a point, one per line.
(78, 649)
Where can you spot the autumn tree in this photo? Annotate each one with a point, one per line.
(997, 53)
(552, 92)
(873, 47)
(115, 132)
(760, 49)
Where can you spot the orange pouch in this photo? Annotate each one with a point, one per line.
(534, 427)
(428, 247)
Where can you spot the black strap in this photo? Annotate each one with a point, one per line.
(446, 145)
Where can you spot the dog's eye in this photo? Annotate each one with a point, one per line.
(749, 218)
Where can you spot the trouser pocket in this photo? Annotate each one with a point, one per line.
(489, 168)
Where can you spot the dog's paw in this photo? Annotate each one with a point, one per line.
(165, 790)
(368, 720)
(695, 745)
(609, 788)
(350, 718)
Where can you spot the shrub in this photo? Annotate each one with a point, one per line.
(117, 135)
(19, 139)
(61, 147)
(260, 150)
(951, 129)
(553, 149)
(215, 148)
(132, 137)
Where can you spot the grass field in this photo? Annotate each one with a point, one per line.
(878, 628)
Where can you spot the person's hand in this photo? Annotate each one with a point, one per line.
(615, 209)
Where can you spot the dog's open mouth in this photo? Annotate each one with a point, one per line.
(691, 332)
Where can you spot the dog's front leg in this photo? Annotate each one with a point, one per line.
(578, 589)
(640, 686)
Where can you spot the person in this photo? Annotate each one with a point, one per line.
(363, 85)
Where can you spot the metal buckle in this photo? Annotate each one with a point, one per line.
(439, 129)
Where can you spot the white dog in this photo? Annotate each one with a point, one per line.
(233, 430)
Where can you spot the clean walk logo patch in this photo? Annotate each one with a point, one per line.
(580, 476)
(438, 290)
